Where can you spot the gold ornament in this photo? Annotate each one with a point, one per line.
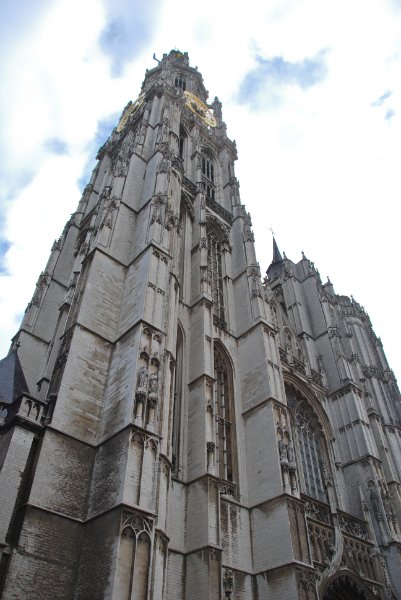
(200, 109)
(130, 110)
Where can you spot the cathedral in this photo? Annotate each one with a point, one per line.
(175, 426)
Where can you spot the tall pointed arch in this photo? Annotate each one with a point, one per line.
(178, 397)
(209, 172)
(226, 456)
(310, 443)
(217, 243)
(180, 251)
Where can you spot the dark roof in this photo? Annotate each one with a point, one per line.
(276, 265)
(276, 253)
(12, 380)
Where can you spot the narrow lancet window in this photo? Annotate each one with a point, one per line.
(208, 175)
(180, 83)
(215, 272)
(224, 416)
(177, 406)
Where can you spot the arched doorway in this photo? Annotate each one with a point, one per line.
(347, 587)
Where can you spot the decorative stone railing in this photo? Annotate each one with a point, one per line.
(316, 377)
(353, 526)
(218, 322)
(318, 512)
(357, 554)
(25, 408)
(228, 489)
(189, 186)
(358, 557)
(31, 409)
(283, 356)
(322, 543)
(299, 366)
(219, 210)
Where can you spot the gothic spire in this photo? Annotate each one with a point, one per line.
(276, 252)
(275, 267)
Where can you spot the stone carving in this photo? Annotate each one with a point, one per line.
(283, 452)
(143, 377)
(374, 499)
(136, 523)
(120, 163)
(157, 212)
(152, 402)
(306, 580)
(153, 384)
(358, 557)
(203, 243)
(333, 331)
(352, 526)
(227, 489)
(110, 206)
(318, 512)
(234, 183)
(248, 233)
(171, 219)
(210, 447)
(256, 289)
(165, 166)
(369, 371)
(43, 281)
(286, 450)
(57, 245)
(228, 583)
(253, 270)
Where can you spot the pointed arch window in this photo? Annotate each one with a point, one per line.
(180, 82)
(182, 142)
(309, 444)
(225, 447)
(208, 174)
(215, 273)
(177, 404)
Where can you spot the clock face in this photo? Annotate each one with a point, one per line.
(200, 109)
(130, 110)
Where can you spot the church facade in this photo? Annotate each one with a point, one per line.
(172, 426)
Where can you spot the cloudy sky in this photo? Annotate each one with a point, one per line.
(311, 92)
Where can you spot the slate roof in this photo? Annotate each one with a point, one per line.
(12, 380)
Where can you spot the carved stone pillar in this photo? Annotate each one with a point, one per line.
(211, 446)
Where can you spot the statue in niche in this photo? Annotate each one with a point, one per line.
(283, 451)
(388, 509)
(154, 383)
(290, 453)
(374, 499)
(143, 377)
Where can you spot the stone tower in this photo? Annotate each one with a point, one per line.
(172, 427)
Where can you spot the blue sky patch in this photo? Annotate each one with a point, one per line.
(382, 98)
(18, 17)
(14, 184)
(389, 114)
(104, 129)
(4, 248)
(271, 75)
(128, 30)
(56, 146)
